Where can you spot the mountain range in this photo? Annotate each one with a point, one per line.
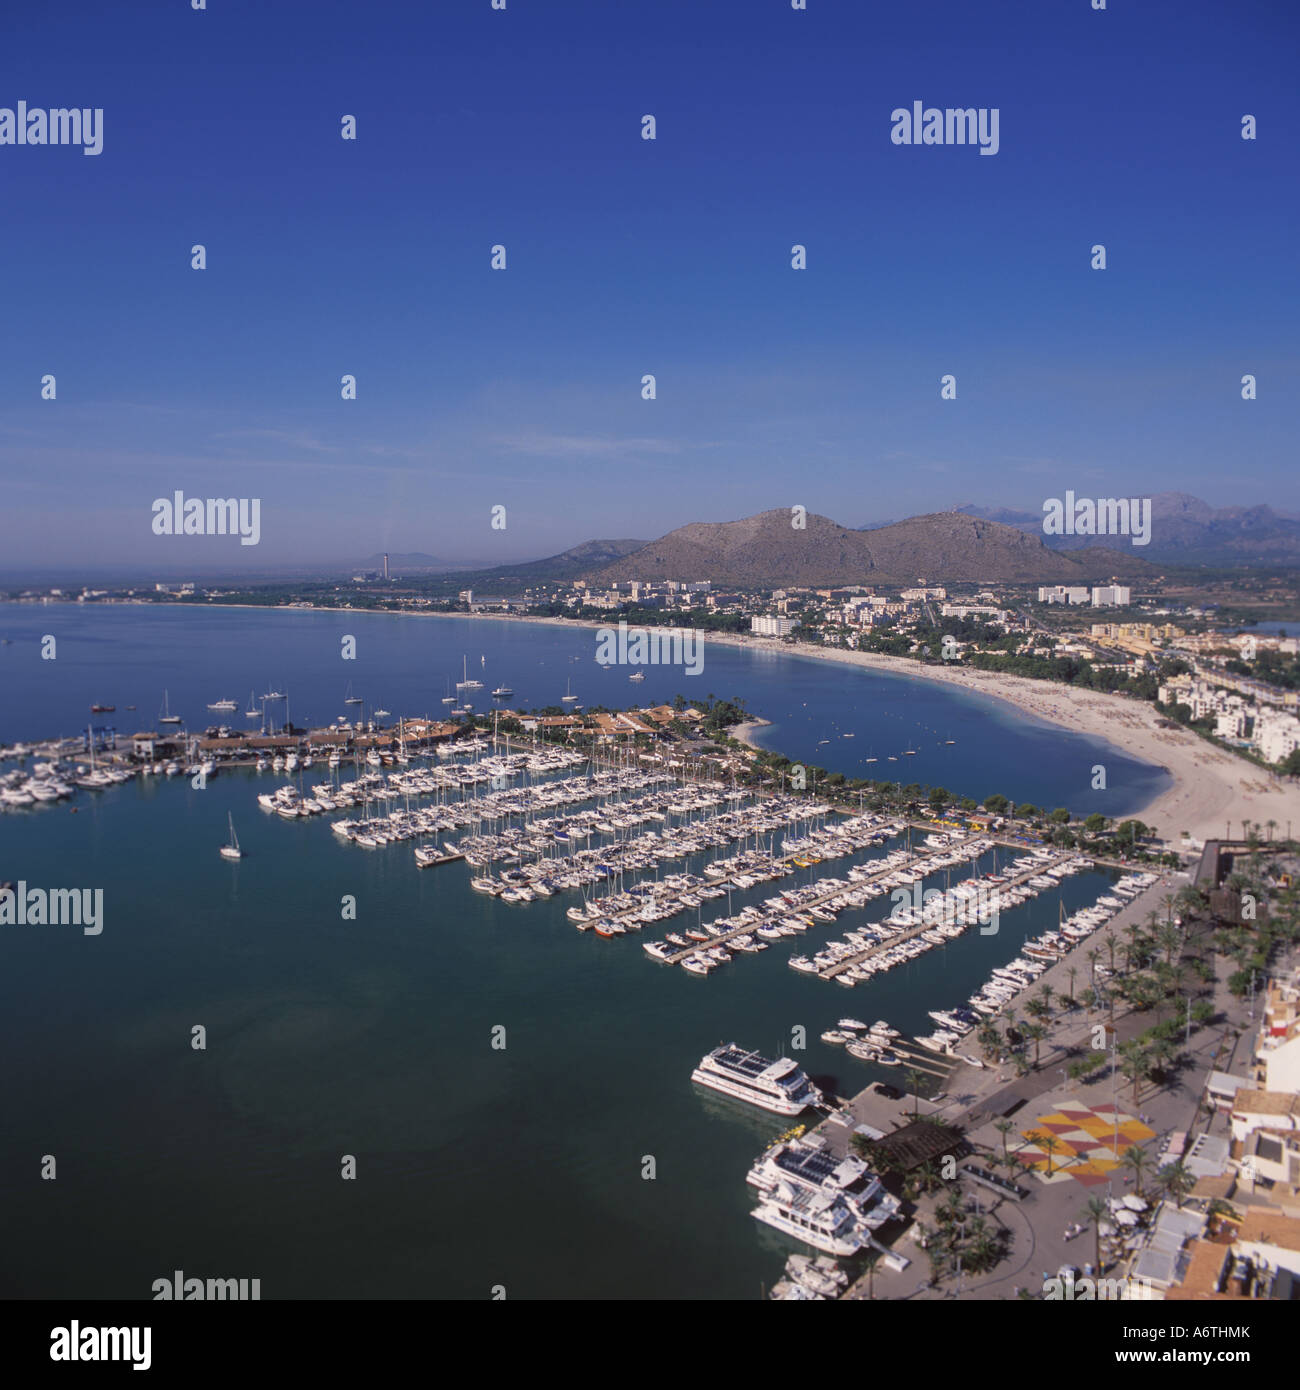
(1184, 531)
(970, 542)
(767, 550)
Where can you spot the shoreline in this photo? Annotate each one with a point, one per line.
(1211, 788)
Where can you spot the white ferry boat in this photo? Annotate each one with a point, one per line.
(819, 1218)
(779, 1086)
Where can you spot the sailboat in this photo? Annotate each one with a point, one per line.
(232, 850)
(167, 717)
(465, 683)
(252, 712)
(449, 698)
(568, 697)
(350, 698)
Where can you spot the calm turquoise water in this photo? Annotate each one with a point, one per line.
(372, 1037)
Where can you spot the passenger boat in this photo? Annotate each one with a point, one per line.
(779, 1086)
(821, 1219)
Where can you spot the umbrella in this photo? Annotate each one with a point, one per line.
(1106, 1228)
(1134, 1203)
(1126, 1218)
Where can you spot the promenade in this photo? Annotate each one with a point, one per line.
(974, 1100)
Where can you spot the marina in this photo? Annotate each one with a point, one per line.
(438, 955)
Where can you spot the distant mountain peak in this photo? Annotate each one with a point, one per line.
(767, 550)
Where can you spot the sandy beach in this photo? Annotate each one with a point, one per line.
(1212, 790)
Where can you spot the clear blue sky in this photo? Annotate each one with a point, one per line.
(775, 387)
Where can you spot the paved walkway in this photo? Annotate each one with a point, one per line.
(1036, 1228)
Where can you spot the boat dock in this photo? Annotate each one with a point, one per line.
(913, 865)
(830, 972)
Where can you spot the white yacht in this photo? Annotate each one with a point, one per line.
(821, 1219)
(807, 1162)
(779, 1086)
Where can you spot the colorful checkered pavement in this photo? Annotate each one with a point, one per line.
(1089, 1141)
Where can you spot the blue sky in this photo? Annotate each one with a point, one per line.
(522, 387)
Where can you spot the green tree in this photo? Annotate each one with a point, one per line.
(1135, 1160)
(1003, 1127)
(1097, 1212)
(1177, 1180)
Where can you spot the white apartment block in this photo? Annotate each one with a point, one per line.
(1277, 735)
(1112, 596)
(969, 610)
(772, 626)
(1232, 721)
(1060, 593)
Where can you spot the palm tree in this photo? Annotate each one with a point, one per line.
(953, 1206)
(1170, 938)
(1036, 1032)
(990, 1040)
(982, 1245)
(1072, 972)
(1049, 1144)
(1136, 1161)
(1177, 1180)
(1133, 1064)
(1097, 1212)
(1003, 1127)
(913, 1078)
(1163, 1056)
